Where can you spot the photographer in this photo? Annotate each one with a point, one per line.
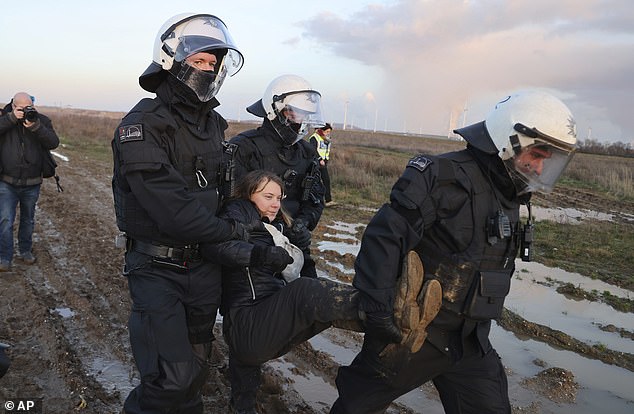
(24, 136)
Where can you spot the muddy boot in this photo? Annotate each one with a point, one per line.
(415, 305)
(406, 312)
(429, 302)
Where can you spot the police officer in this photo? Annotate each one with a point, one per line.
(460, 212)
(321, 141)
(168, 160)
(289, 107)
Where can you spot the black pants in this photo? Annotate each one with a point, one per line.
(476, 384)
(269, 329)
(170, 325)
(325, 177)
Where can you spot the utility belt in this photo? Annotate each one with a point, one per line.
(176, 258)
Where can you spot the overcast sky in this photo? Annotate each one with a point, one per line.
(401, 65)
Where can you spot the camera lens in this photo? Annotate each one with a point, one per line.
(30, 114)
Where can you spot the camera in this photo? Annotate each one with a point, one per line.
(30, 114)
(499, 228)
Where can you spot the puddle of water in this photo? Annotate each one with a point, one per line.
(603, 387)
(340, 354)
(339, 247)
(340, 267)
(112, 374)
(63, 312)
(577, 318)
(567, 215)
(313, 389)
(541, 273)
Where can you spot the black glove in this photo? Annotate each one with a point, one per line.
(243, 231)
(276, 257)
(380, 325)
(299, 234)
(239, 231)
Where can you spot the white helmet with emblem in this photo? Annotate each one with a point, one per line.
(534, 133)
(184, 35)
(292, 106)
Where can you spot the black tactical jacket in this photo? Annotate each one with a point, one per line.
(168, 156)
(442, 207)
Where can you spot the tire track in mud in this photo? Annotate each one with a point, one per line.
(83, 291)
(622, 211)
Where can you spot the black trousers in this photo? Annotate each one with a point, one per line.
(269, 329)
(475, 384)
(170, 325)
(325, 177)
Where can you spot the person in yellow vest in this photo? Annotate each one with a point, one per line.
(321, 141)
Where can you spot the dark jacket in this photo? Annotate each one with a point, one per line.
(441, 207)
(21, 148)
(262, 148)
(243, 285)
(168, 153)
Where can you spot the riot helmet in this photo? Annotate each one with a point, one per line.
(292, 106)
(185, 35)
(534, 133)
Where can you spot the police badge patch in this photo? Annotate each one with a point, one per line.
(420, 162)
(131, 133)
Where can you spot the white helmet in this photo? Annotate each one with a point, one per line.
(184, 35)
(534, 133)
(292, 106)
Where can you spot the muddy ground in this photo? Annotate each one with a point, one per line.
(65, 316)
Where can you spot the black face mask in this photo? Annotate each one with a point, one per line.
(205, 84)
(288, 131)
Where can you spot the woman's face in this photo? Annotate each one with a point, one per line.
(267, 200)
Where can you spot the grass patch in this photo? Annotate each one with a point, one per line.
(598, 249)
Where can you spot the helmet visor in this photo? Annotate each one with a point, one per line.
(301, 107)
(300, 111)
(206, 33)
(537, 167)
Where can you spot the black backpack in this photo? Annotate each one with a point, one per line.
(48, 168)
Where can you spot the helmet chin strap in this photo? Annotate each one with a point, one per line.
(515, 144)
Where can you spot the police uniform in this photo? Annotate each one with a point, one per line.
(296, 164)
(460, 213)
(168, 156)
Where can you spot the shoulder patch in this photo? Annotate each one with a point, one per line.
(131, 133)
(420, 162)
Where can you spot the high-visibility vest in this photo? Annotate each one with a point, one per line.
(323, 147)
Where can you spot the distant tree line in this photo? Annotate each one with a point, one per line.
(619, 148)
